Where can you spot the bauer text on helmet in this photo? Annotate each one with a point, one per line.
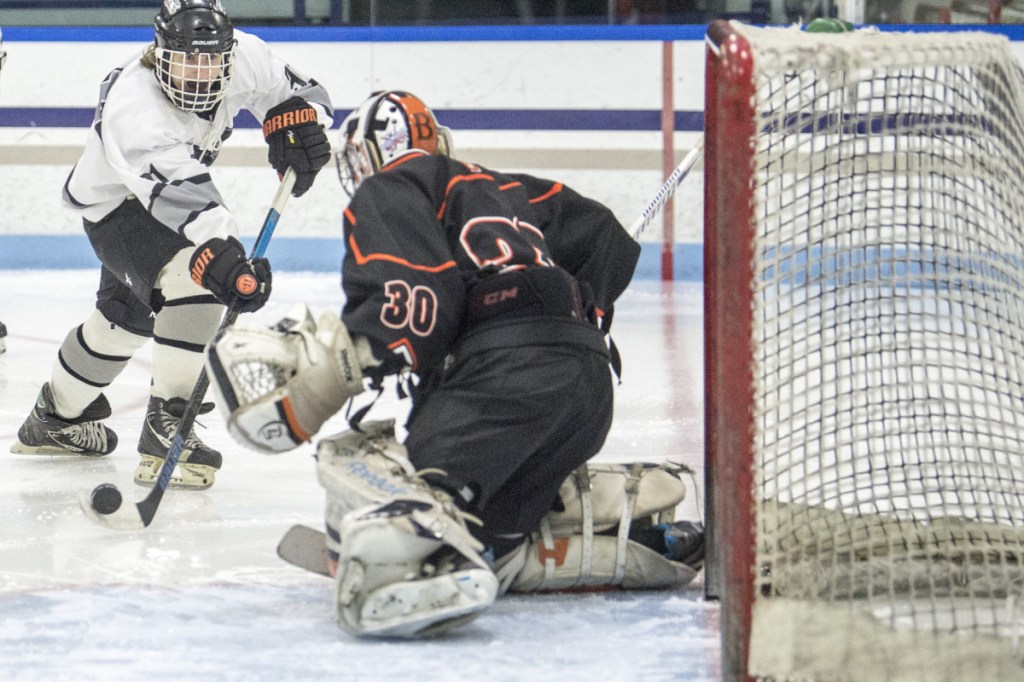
(193, 52)
(384, 127)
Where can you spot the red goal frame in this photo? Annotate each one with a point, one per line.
(729, 384)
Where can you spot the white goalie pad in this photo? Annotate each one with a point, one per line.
(602, 496)
(570, 551)
(574, 563)
(277, 386)
(408, 569)
(404, 563)
(364, 467)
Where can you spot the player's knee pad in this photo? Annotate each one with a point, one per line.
(188, 315)
(408, 568)
(591, 542)
(187, 323)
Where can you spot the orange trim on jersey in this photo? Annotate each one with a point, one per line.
(399, 160)
(456, 180)
(350, 216)
(409, 352)
(555, 189)
(364, 259)
(293, 423)
(510, 186)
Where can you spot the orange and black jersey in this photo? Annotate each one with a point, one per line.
(418, 233)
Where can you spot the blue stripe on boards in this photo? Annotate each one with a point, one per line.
(457, 119)
(296, 254)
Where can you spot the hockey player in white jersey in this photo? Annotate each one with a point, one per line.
(168, 245)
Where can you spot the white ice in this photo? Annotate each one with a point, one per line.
(201, 595)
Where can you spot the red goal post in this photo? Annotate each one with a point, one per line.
(864, 353)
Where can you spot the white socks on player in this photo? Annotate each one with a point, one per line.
(95, 351)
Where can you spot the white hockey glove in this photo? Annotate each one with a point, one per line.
(276, 387)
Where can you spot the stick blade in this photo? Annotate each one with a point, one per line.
(127, 516)
(306, 548)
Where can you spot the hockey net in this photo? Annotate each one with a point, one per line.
(864, 311)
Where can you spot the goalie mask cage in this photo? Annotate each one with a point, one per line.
(864, 307)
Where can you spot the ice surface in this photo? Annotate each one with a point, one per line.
(201, 595)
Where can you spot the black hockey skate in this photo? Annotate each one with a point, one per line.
(198, 463)
(47, 433)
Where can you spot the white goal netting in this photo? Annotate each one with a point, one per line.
(887, 356)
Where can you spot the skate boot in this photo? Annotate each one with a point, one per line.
(3, 337)
(47, 433)
(198, 463)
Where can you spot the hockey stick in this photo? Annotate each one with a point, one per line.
(668, 189)
(103, 504)
(306, 548)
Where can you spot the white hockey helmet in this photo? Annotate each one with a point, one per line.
(194, 53)
(387, 125)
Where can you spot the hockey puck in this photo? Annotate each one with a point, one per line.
(106, 498)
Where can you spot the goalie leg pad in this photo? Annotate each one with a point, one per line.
(617, 500)
(600, 494)
(573, 563)
(364, 467)
(406, 566)
(408, 569)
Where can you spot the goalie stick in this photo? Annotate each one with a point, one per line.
(667, 189)
(306, 548)
(103, 505)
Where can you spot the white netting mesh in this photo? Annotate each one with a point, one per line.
(889, 327)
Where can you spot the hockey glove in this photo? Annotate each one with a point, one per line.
(277, 387)
(219, 265)
(296, 140)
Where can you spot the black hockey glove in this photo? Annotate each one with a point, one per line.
(219, 265)
(296, 140)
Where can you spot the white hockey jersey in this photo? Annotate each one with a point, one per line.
(141, 145)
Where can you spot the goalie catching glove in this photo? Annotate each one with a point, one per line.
(277, 386)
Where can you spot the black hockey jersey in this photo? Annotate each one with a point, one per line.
(418, 233)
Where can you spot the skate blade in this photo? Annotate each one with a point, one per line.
(185, 477)
(19, 448)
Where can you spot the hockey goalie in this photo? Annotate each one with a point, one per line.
(490, 295)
